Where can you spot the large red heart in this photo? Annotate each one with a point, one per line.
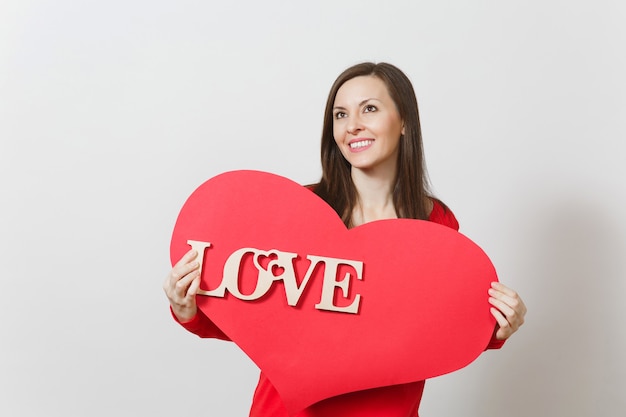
(423, 308)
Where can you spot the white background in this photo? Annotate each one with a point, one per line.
(112, 112)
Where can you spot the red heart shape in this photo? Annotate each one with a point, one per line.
(422, 312)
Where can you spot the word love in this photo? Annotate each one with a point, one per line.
(280, 267)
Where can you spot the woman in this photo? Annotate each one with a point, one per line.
(373, 169)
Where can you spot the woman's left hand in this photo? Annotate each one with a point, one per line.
(508, 309)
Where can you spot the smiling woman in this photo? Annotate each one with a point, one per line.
(373, 169)
(388, 114)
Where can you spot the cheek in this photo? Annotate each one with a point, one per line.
(393, 128)
(339, 147)
(337, 134)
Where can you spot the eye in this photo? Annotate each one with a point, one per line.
(340, 115)
(370, 108)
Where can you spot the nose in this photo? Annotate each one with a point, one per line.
(354, 125)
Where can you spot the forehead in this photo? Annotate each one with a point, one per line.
(362, 88)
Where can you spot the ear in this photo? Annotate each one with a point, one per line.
(402, 131)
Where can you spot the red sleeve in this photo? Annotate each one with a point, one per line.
(202, 326)
(495, 343)
(443, 215)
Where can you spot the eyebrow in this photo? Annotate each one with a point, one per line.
(360, 104)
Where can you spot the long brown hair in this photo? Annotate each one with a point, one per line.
(411, 190)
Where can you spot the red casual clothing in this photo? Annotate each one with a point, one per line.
(392, 401)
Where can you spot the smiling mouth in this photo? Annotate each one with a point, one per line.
(361, 143)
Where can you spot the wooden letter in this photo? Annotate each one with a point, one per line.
(200, 247)
(330, 283)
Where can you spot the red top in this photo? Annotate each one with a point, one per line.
(392, 401)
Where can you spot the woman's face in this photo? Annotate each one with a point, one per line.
(367, 126)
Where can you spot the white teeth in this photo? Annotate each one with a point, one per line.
(361, 144)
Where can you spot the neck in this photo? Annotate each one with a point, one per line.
(375, 196)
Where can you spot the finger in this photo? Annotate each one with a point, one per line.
(504, 328)
(194, 286)
(514, 318)
(497, 314)
(188, 257)
(186, 269)
(503, 289)
(181, 287)
(502, 306)
(510, 298)
(183, 267)
(179, 272)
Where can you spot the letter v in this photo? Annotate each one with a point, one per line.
(292, 290)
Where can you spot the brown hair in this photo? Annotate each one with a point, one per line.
(411, 190)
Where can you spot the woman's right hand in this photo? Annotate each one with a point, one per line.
(181, 287)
